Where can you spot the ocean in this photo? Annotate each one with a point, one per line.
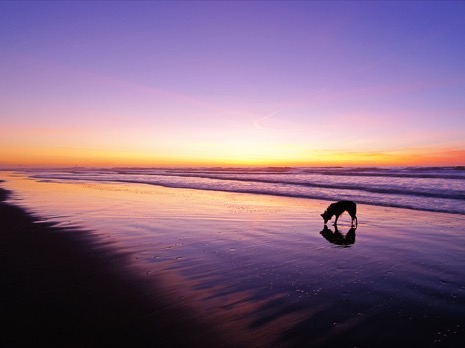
(437, 189)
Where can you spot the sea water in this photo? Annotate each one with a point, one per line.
(439, 189)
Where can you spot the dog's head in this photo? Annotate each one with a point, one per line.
(326, 216)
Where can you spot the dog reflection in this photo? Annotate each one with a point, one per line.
(337, 237)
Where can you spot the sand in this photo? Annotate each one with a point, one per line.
(62, 289)
(124, 264)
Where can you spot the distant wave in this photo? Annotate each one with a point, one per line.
(438, 194)
(457, 172)
(431, 189)
(302, 195)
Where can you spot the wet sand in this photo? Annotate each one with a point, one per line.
(262, 269)
(61, 287)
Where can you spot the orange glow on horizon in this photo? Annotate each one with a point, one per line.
(65, 157)
(308, 90)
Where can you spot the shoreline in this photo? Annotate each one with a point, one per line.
(377, 188)
(61, 288)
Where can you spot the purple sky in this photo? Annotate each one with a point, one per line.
(232, 82)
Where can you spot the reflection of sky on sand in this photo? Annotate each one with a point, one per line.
(259, 264)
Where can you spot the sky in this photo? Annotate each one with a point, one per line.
(218, 83)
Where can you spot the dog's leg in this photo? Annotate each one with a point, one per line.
(354, 218)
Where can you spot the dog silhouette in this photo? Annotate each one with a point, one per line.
(338, 208)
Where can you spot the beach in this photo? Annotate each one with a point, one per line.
(61, 287)
(129, 264)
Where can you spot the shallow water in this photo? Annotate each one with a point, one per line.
(439, 189)
(259, 264)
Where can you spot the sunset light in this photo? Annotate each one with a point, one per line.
(231, 83)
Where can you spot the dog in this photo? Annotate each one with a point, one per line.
(338, 208)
